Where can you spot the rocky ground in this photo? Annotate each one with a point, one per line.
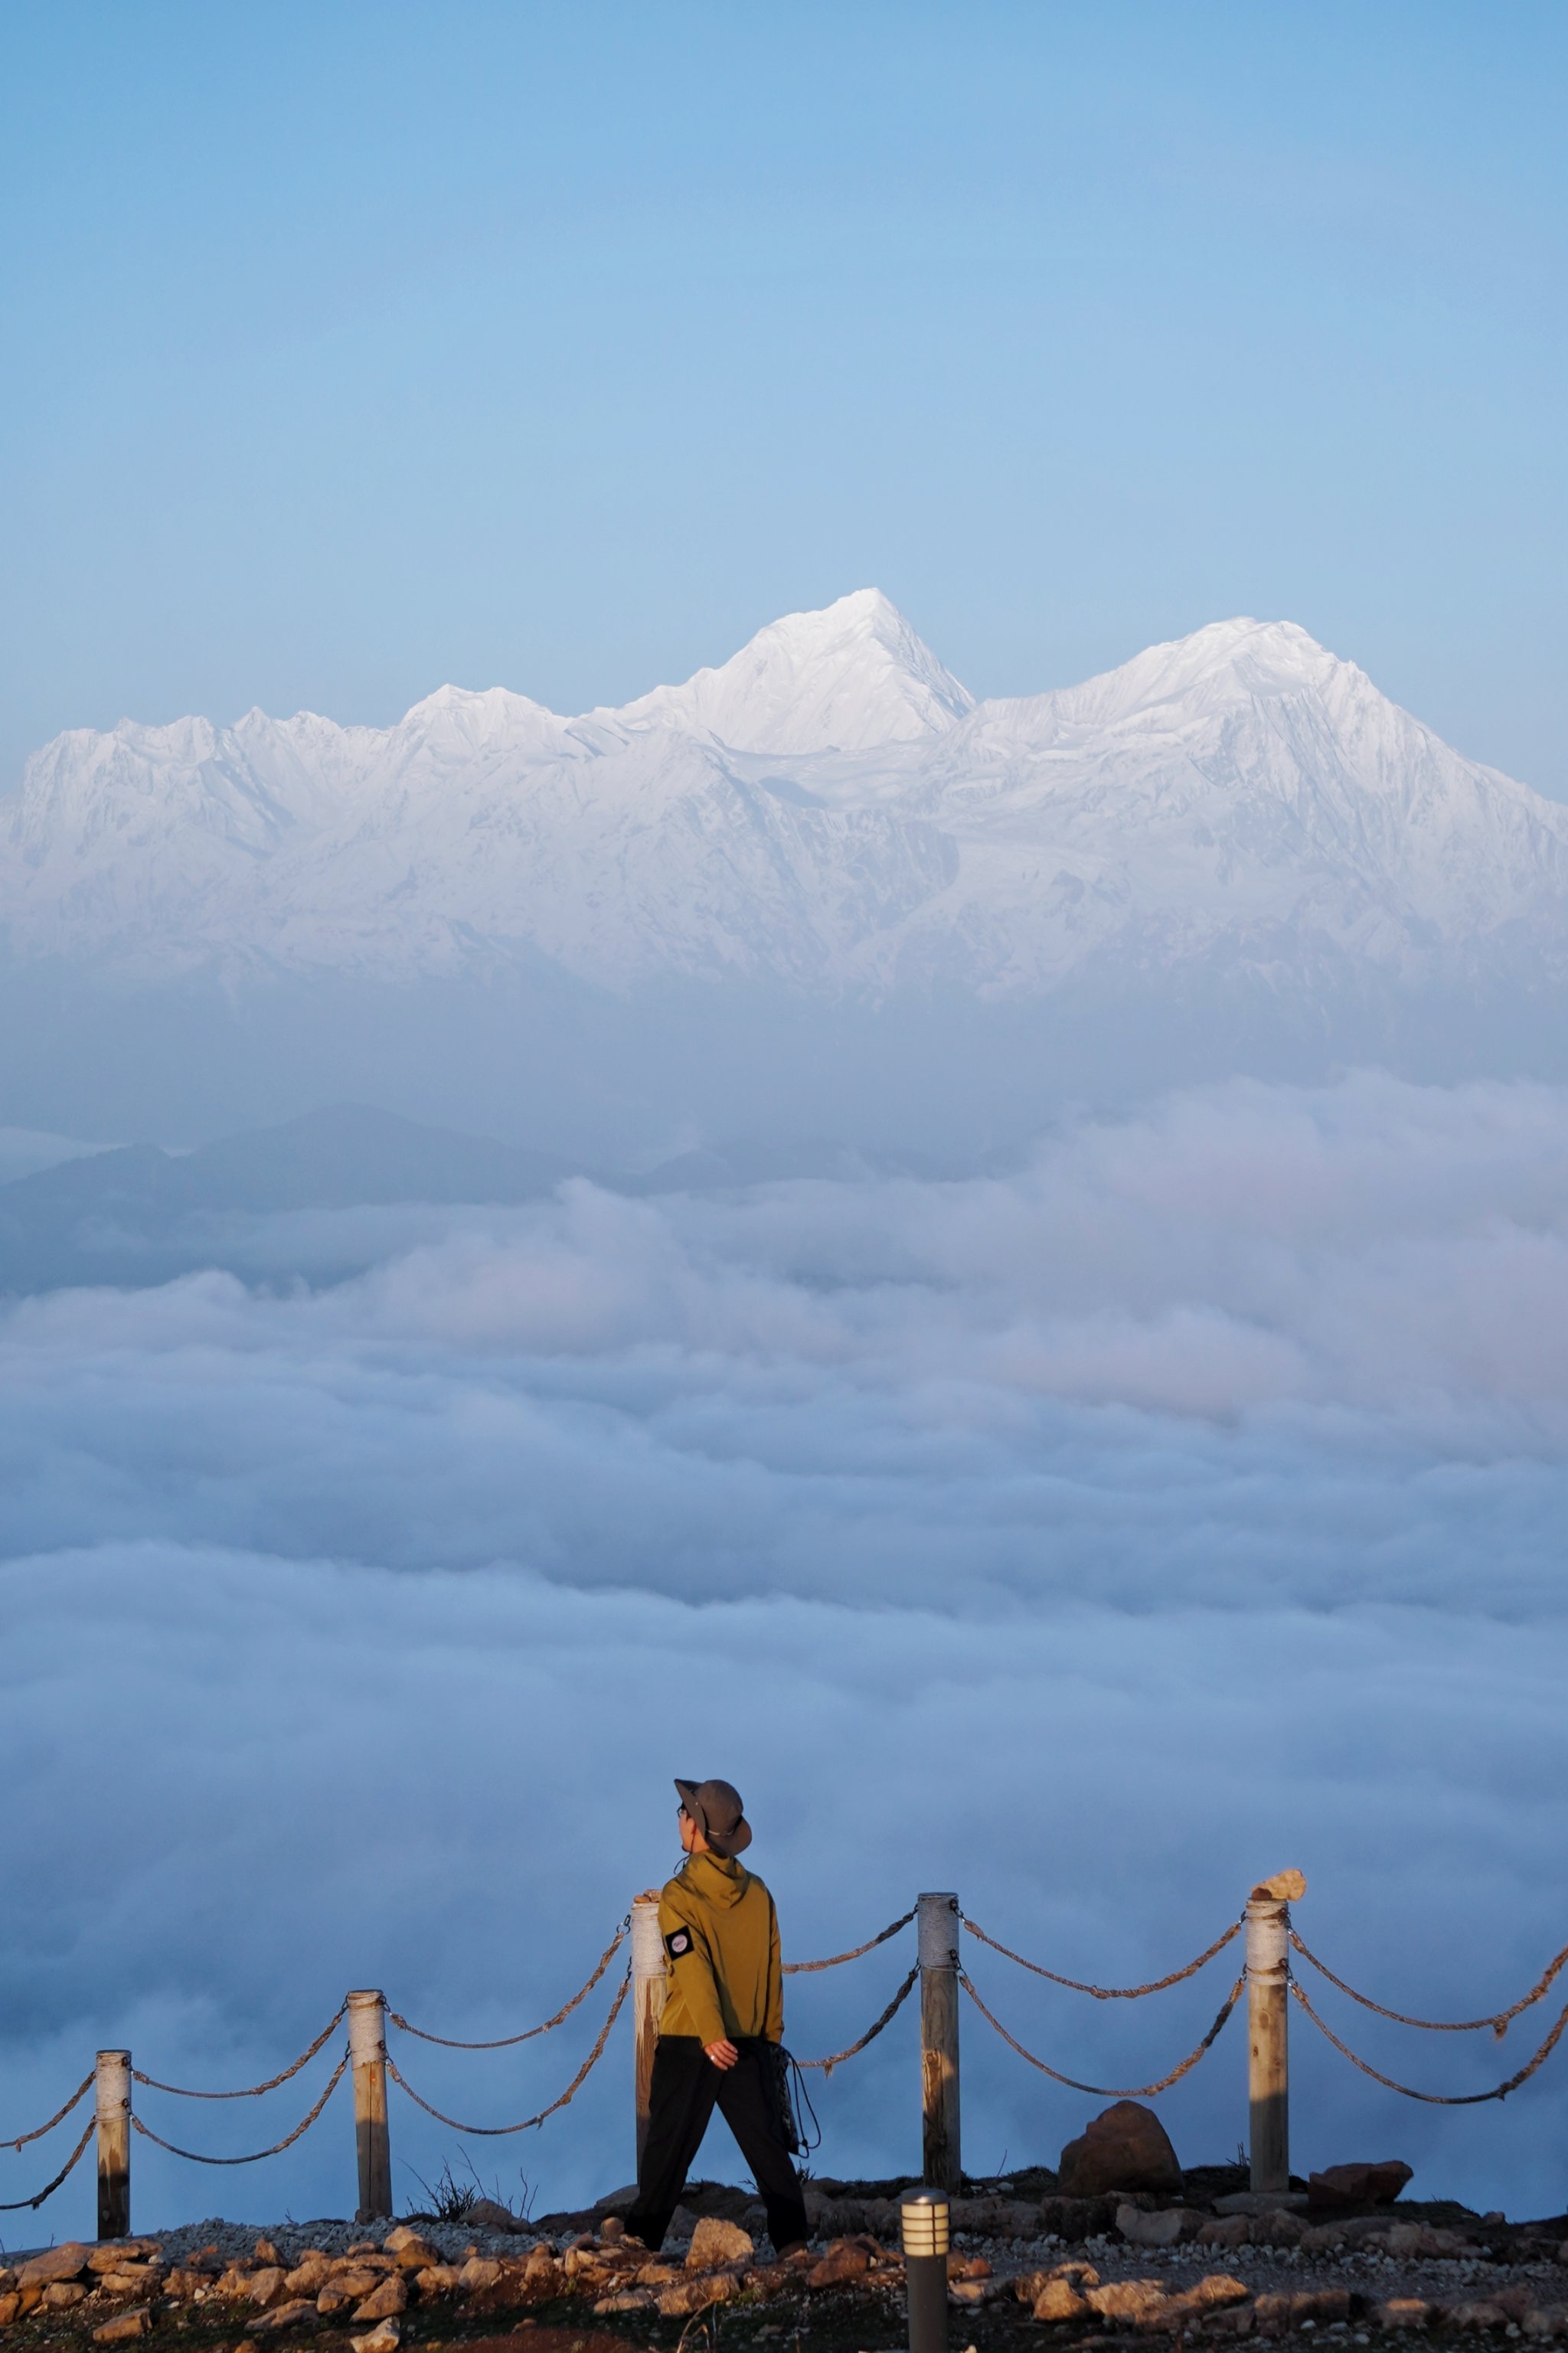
(1027, 2268)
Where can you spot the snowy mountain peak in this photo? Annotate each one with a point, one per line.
(1227, 661)
(849, 677)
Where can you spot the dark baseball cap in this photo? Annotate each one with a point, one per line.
(715, 1807)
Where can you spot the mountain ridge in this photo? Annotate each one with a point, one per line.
(829, 811)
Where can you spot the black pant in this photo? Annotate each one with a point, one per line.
(686, 2084)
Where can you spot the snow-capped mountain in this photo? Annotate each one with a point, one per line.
(829, 809)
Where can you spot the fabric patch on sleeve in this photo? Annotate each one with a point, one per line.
(678, 1943)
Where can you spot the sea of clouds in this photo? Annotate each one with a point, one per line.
(1093, 1541)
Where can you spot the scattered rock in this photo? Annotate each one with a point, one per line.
(124, 2326)
(1141, 2302)
(1125, 2148)
(1213, 2292)
(696, 2295)
(1278, 2316)
(409, 2252)
(438, 2279)
(269, 2286)
(487, 2214)
(298, 2315)
(382, 2339)
(1279, 2229)
(10, 2306)
(67, 2263)
(1163, 2228)
(1351, 2187)
(115, 2254)
(385, 2302)
(715, 2244)
(627, 2299)
(1546, 2320)
(1058, 2299)
(846, 2259)
(1261, 2201)
(1481, 2314)
(60, 2295)
(479, 2271)
(1405, 2312)
(1226, 2231)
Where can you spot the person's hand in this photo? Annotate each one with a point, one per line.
(724, 2054)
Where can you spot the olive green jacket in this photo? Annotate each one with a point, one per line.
(722, 1953)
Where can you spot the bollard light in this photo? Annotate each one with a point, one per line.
(923, 2223)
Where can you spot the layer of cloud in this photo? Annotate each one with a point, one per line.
(1092, 1541)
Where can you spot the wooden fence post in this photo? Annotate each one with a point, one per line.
(937, 1929)
(647, 2003)
(1267, 2039)
(367, 2042)
(112, 2099)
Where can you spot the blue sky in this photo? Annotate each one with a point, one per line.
(350, 349)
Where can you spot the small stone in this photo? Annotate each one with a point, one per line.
(1213, 2293)
(1545, 2320)
(382, 2339)
(297, 2315)
(846, 2259)
(124, 2326)
(479, 2271)
(627, 2299)
(67, 2263)
(413, 2253)
(269, 2286)
(116, 2253)
(1162, 2229)
(1124, 2148)
(1226, 2231)
(612, 2229)
(1405, 2312)
(487, 2214)
(715, 2245)
(696, 2295)
(264, 2251)
(1232, 2321)
(437, 2279)
(309, 2274)
(386, 2301)
(10, 2306)
(1058, 2300)
(1481, 2314)
(1280, 2229)
(1142, 2302)
(60, 2295)
(1351, 2187)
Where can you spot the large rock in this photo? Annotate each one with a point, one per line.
(124, 2326)
(1125, 2148)
(1162, 2229)
(1347, 2188)
(67, 2263)
(487, 2214)
(716, 2244)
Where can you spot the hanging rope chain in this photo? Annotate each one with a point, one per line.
(254, 2091)
(492, 2132)
(505, 2041)
(1499, 2023)
(277, 2147)
(14, 2205)
(828, 2065)
(57, 2118)
(803, 1969)
(1108, 1993)
(1437, 2099)
(1104, 2090)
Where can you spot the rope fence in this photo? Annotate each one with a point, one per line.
(1267, 1979)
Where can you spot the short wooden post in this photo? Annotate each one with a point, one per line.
(647, 2003)
(112, 2093)
(367, 2043)
(938, 1927)
(1267, 2035)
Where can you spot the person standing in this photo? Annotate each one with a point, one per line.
(723, 2008)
